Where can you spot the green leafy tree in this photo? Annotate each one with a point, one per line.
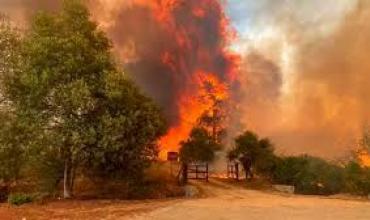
(12, 133)
(88, 113)
(200, 147)
(128, 127)
(253, 152)
(9, 51)
(12, 149)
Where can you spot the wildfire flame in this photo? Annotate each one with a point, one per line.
(192, 105)
(178, 52)
(364, 158)
(192, 101)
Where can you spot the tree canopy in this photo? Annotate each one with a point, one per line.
(199, 147)
(253, 152)
(66, 82)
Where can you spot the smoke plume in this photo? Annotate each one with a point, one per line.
(174, 49)
(303, 79)
(321, 55)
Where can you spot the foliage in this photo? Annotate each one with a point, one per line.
(19, 199)
(309, 175)
(287, 170)
(9, 49)
(46, 170)
(200, 147)
(128, 128)
(357, 179)
(65, 83)
(260, 152)
(10, 152)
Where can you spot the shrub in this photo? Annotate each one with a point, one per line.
(287, 170)
(357, 179)
(267, 166)
(309, 175)
(19, 199)
(319, 177)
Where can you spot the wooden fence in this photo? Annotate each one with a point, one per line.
(197, 171)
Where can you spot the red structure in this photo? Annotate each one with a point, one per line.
(173, 156)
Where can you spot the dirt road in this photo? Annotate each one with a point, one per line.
(223, 201)
(230, 202)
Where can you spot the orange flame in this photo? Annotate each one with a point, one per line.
(203, 88)
(364, 158)
(191, 50)
(192, 105)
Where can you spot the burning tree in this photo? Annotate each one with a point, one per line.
(362, 153)
(181, 46)
(213, 119)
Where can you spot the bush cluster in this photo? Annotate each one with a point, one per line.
(357, 179)
(19, 199)
(312, 175)
(309, 175)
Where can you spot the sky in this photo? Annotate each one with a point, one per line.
(303, 61)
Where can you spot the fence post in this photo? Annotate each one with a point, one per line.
(237, 171)
(207, 172)
(196, 171)
(185, 173)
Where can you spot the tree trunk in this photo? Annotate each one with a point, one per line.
(67, 182)
(247, 165)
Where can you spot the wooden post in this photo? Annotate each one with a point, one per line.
(185, 173)
(196, 171)
(207, 172)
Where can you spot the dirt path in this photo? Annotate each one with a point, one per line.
(222, 202)
(231, 202)
(81, 210)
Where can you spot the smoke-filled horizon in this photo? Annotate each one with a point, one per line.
(303, 80)
(311, 95)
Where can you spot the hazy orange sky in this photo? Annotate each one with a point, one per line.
(305, 73)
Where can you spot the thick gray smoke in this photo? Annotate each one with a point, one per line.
(166, 43)
(321, 49)
(305, 78)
